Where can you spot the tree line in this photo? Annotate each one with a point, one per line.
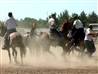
(85, 18)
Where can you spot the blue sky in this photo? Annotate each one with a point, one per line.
(43, 8)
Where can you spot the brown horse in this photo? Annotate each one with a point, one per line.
(16, 40)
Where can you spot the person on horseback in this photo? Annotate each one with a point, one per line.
(10, 26)
(78, 33)
(53, 25)
(33, 28)
(88, 40)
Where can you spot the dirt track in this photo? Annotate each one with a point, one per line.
(22, 70)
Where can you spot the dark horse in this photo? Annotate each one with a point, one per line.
(15, 40)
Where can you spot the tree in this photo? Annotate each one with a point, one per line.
(93, 18)
(63, 16)
(42, 23)
(83, 18)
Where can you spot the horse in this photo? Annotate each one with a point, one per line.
(31, 40)
(15, 40)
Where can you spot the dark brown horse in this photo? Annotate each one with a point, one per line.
(16, 40)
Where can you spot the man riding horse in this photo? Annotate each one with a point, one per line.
(53, 25)
(11, 27)
(77, 32)
(76, 35)
(33, 28)
(12, 39)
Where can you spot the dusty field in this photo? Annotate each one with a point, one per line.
(45, 63)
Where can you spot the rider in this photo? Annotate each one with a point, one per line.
(52, 24)
(10, 24)
(77, 30)
(33, 27)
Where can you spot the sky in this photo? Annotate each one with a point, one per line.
(43, 8)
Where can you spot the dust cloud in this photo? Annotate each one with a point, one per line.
(46, 60)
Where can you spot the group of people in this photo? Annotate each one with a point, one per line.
(77, 31)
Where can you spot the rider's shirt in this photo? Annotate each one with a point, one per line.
(87, 36)
(52, 24)
(78, 24)
(11, 24)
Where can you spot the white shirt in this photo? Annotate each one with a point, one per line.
(78, 24)
(51, 23)
(10, 23)
(87, 36)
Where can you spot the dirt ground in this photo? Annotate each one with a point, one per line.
(45, 63)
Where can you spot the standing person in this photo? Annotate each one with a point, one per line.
(88, 41)
(10, 24)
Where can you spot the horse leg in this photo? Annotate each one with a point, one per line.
(64, 49)
(82, 48)
(69, 47)
(21, 56)
(64, 52)
(14, 53)
(9, 55)
(48, 50)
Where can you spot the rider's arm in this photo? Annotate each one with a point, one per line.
(91, 33)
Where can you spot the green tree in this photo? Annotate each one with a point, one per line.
(42, 23)
(64, 15)
(93, 18)
(83, 18)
